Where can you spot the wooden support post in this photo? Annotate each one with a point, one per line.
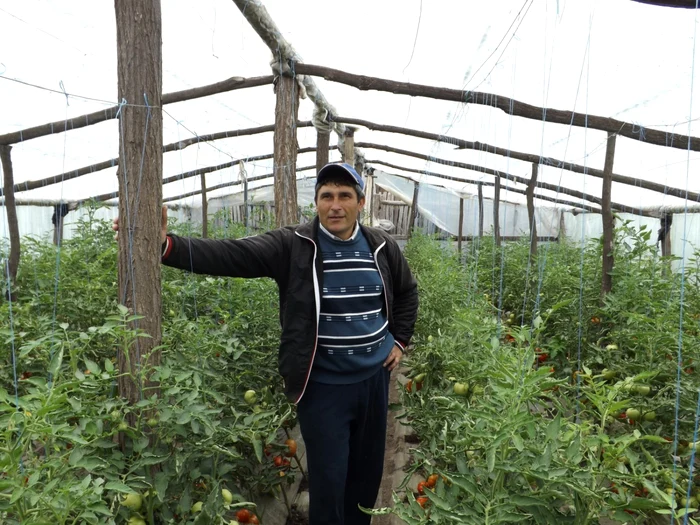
(246, 208)
(414, 211)
(562, 227)
(205, 208)
(369, 201)
(460, 227)
(481, 211)
(285, 160)
(12, 224)
(530, 193)
(323, 140)
(607, 214)
(58, 223)
(140, 175)
(665, 234)
(496, 205)
(349, 146)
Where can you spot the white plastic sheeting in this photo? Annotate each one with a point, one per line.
(441, 207)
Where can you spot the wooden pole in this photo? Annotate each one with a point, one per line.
(322, 142)
(349, 146)
(531, 209)
(12, 224)
(496, 205)
(561, 236)
(460, 228)
(285, 162)
(608, 219)
(140, 82)
(414, 210)
(81, 121)
(666, 221)
(205, 209)
(58, 224)
(507, 105)
(481, 211)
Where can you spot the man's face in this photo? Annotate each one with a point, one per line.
(338, 208)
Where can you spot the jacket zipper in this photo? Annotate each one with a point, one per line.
(317, 299)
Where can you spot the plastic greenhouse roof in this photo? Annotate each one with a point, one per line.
(616, 58)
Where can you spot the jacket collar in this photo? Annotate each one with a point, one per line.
(311, 229)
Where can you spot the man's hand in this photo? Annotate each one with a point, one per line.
(163, 225)
(394, 358)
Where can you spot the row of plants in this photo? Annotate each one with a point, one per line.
(534, 400)
(215, 438)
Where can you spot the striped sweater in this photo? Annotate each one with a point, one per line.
(353, 338)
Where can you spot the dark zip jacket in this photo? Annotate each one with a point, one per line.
(291, 257)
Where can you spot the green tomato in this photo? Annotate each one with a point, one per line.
(608, 374)
(123, 426)
(650, 416)
(643, 390)
(460, 389)
(419, 378)
(152, 422)
(136, 520)
(228, 497)
(250, 397)
(132, 501)
(197, 507)
(633, 413)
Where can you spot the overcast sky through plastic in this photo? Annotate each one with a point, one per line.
(613, 58)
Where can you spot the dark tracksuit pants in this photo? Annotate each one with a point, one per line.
(344, 429)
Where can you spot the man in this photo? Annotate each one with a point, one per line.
(348, 304)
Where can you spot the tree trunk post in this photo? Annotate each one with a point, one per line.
(58, 224)
(246, 209)
(531, 209)
(349, 146)
(496, 205)
(414, 211)
(608, 219)
(481, 210)
(140, 174)
(285, 160)
(205, 208)
(561, 236)
(460, 227)
(323, 140)
(12, 224)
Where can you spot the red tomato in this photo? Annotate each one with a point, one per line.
(243, 516)
(421, 487)
(291, 448)
(422, 501)
(432, 480)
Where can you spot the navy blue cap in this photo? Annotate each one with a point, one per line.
(343, 168)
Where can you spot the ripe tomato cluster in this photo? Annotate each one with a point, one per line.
(429, 483)
(245, 516)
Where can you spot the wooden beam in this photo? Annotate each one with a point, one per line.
(686, 4)
(12, 224)
(199, 171)
(235, 183)
(519, 155)
(205, 209)
(564, 202)
(608, 219)
(507, 105)
(520, 180)
(531, 210)
(60, 126)
(173, 146)
(286, 146)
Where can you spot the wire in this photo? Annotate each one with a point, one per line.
(420, 14)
